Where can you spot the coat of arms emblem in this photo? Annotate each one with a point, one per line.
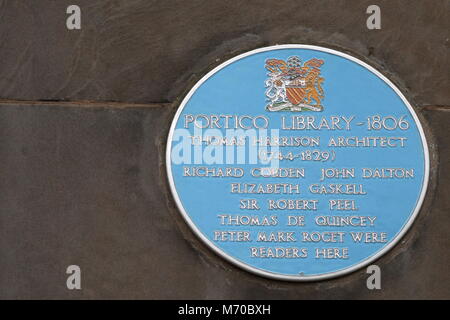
(293, 86)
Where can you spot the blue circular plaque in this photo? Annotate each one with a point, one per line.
(297, 162)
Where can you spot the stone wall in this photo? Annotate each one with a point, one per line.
(84, 118)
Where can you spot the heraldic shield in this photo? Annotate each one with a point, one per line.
(293, 86)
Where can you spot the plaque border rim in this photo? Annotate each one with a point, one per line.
(279, 276)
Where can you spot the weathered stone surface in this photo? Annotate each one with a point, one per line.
(85, 184)
(144, 51)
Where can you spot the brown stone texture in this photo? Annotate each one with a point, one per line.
(84, 117)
